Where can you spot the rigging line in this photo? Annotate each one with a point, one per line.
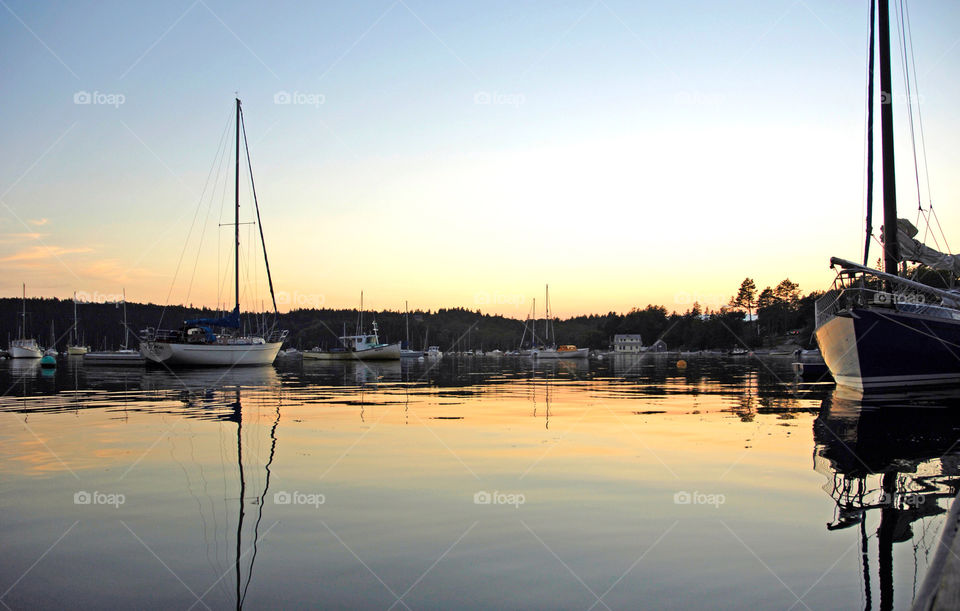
(936, 218)
(221, 285)
(923, 142)
(902, 41)
(256, 205)
(203, 234)
(192, 223)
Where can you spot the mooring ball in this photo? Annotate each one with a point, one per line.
(681, 364)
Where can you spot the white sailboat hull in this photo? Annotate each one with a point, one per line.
(75, 350)
(25, 352)
(390, 352)
(209, 355)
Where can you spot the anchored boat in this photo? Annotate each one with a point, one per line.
(879, 329)
(24, 347)
(218, 341)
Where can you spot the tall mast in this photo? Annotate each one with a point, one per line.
(23, 327)
(236, 219)
(870, 88)
(891, 250)
(406, 307)
(549, 323)
(126, 328)
(73, 333)
(533, 344)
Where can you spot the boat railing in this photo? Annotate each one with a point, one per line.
(859, 288)
(278, 335)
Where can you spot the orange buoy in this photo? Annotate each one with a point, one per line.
(681, 364)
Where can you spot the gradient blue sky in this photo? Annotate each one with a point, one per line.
(630, 153)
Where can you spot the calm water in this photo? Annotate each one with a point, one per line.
(627, 483)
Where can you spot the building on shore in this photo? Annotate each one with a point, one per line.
(627, 343)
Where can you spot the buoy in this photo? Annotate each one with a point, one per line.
(681, 364)
(48, 362)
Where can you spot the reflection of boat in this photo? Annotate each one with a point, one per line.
(896, 457)
(24, 367)
(561, 352)
(878, 329)
(24, 347)
(196, 343)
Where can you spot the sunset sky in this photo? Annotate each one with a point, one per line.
(454, 154)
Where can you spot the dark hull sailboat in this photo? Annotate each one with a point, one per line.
(878, 330)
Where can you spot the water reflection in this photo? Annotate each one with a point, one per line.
(896, 456)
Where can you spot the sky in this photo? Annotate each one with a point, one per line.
(451, 154)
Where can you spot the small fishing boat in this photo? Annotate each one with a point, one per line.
(364, 347)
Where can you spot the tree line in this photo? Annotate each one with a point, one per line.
(751, 319)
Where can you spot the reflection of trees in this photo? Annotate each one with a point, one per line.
(896, 457)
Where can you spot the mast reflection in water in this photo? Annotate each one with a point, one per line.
(895, 457)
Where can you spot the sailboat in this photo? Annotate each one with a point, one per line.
(878, 329)
(197, 343)
(124, 356)
(75, 347)
(24, 347)
(406, 352)
(552, 351)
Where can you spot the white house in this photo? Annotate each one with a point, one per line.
(627, 343)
